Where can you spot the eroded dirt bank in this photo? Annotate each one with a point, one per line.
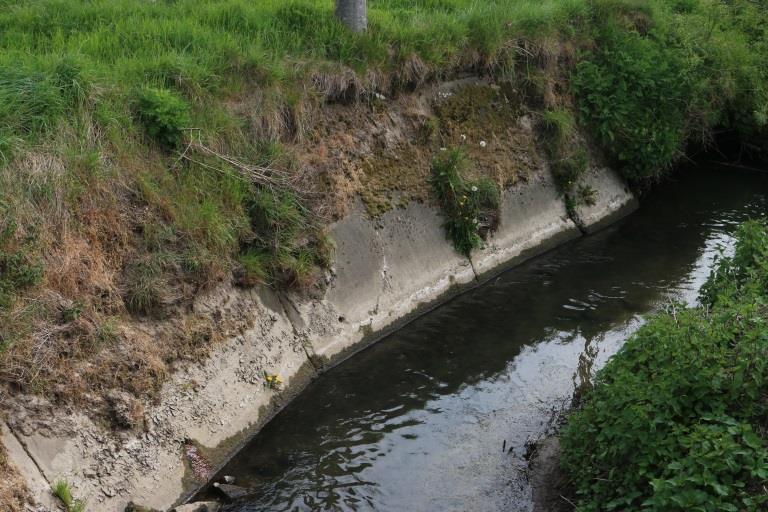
(392, 261)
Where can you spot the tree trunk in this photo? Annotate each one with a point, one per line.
(352, 14)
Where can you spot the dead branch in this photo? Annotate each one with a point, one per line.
(260, 175)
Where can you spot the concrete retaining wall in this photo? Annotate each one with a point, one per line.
(386, 271)
(533, 220)
(612, 200)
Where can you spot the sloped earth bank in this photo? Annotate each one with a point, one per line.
(388, 269)
(438, 416)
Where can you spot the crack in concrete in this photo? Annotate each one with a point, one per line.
(29, 454)
(575, 219)
(296, 333)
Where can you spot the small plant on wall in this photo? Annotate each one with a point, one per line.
(568, 157)
(470, 207)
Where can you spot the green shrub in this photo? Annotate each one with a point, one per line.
(470, 208)
(164, 115)
(746, 272)
(676, 420)
(633, 92)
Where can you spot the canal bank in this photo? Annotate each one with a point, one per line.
(439, 414)
(387, 271)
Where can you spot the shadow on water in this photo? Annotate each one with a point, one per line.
(417, 421)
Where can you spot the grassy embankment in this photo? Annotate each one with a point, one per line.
(147, 149)
(678, 419)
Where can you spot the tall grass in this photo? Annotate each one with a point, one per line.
(200, 46)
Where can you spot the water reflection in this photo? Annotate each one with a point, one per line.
(418, 421)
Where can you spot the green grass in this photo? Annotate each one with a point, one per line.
(62, 491)
(53, 51)
(677, 420)
(567, 156)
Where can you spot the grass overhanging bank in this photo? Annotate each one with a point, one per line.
(151, 150)
(678, 419)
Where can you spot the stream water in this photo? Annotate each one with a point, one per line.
(417, 422)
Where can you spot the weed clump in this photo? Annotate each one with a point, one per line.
(567, 156)
(145, 285)
(164, 116)
(288, 247)
(676, 420)
(569, 161)
(18, 269)
(62, 490)
(470, 208)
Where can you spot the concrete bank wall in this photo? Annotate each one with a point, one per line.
(386, 272)
(533, 220)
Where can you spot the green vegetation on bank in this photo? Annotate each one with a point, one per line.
(678, 419)
(664, 74)
(61, 490)
(149, 150)
(470, 208)
(567, 155)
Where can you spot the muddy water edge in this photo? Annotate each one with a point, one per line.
(437, 416)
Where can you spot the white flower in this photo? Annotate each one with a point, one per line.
(463, 137)
(442, 149)
(474, 188)
(474, 221)
(482, 144)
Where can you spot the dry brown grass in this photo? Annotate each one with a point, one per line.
(14, 494)
(71, 338)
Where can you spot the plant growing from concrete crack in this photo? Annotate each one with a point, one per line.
(470, 207)
(273, 381)
(62, 490)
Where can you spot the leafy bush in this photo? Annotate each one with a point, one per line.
(469, 207)
(662, 74)
(676, 420)
(744, 273)
(633, 92)
(164, 115)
